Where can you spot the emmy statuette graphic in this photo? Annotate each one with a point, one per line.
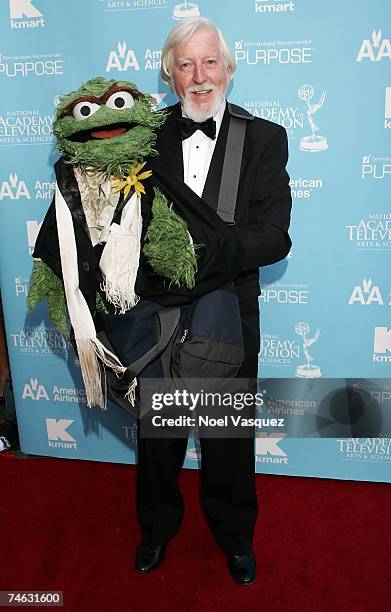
(314, 142)
(185, 10)
(307, 370)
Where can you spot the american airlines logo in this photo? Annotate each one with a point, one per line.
(374, 49)
(123, 59)
(14, 188)
(367, 293)
(34, 391)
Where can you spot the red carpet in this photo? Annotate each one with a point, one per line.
(71, 526)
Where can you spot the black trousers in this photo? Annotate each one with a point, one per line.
(228, 494)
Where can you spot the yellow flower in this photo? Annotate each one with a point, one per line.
(132, 180)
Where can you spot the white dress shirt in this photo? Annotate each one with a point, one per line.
(197, 151)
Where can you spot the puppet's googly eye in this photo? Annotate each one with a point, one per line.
(83, 110)
(120, 100)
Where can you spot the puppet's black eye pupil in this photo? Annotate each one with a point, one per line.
(119, 102)
(85, 111)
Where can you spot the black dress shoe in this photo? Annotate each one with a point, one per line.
(242, 568)
(149, 557)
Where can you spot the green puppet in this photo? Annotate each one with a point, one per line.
(105, 132)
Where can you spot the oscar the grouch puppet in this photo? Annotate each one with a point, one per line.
(104, 219)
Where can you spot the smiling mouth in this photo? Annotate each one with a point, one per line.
(203, 92)
(104, 133)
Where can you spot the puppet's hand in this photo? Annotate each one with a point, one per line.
(45, 284)
(168, 244)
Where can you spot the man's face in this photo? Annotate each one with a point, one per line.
(200, 75)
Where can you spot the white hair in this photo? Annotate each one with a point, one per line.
(182, 32)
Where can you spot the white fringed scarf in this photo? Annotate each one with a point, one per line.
(121, 256)
(90, 350)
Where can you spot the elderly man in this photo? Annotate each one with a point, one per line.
(198, 65)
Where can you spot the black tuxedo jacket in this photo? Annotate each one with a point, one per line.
(263, 204)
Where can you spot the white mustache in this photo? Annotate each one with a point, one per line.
(198, 88)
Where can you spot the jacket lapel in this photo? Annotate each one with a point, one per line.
(169, 144)
(211, 190)
(70, 191)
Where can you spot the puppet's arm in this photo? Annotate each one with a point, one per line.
(168, 244)
(46, 284)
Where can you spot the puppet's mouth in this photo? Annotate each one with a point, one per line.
(110, 131)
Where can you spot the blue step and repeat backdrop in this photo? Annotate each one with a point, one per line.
(320, 69)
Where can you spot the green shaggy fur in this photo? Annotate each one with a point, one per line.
(168, 234)
(46, 284)
(114, 156)
(93, 87)
(100, 305)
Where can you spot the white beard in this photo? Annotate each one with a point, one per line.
(199, 115)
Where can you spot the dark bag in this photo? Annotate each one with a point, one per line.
(138, 338)
(201, 341)
(210, 341)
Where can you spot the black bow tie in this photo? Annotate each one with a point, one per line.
(187, 127)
